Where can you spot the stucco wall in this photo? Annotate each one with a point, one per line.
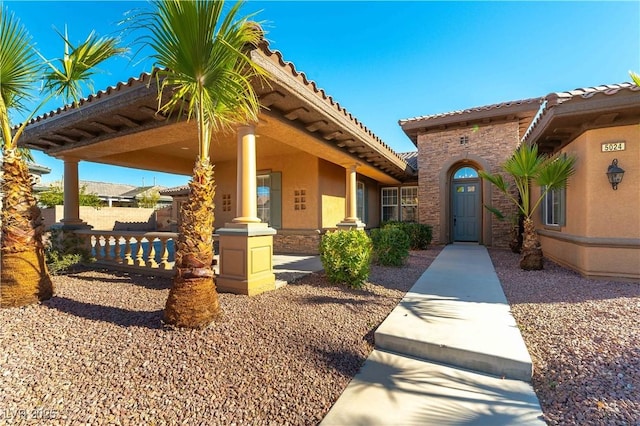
(332, 187)
(601, 237)
(440, 154)
(299, 173)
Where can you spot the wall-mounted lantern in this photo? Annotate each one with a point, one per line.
(615, 174)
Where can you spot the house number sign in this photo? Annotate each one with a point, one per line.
(613, 146)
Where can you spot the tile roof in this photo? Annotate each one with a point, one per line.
(274, 56)
(143, 78)
(176, 190)
(411, 158)
(559, 98)
(321, 92)
(459, 113)
(589, 92)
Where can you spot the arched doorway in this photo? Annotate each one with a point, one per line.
(466, 205)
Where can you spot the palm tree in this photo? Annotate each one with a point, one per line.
(527, 168)
(206, 71)
(24, 275)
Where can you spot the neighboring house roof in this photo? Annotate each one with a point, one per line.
(522, 110)
(176, 190)
(116, 191)
(565, 115)
(130, 107)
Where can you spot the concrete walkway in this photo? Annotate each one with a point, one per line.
(450, 353)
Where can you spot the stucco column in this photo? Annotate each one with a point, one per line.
(246, 244)
(351, 214)
(247, 205)
(71, 210)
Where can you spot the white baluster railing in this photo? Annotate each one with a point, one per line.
(151, 252)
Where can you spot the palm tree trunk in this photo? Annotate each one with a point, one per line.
(193, 300)
(531, 255)
(24, 276)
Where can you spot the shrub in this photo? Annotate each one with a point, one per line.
(59, 263)
(63, 251)
(420, 235)
(346, 257)
(390, 246)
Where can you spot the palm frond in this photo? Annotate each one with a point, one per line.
(496, 212)
(556, 171)
(78, 65)
(205, 66)
(495, 179)
(635, 77)
(19, 70)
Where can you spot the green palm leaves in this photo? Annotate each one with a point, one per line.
(203, 53)
(527, 167)
(19, 68)
(77, 66)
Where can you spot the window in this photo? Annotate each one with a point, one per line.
(409, 204)
(269, 198)
(264, 198)
(360, 208)
(400, 205)
(465, 173)
(553, 208)
(389, 204)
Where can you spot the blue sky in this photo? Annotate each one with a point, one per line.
(385, 61)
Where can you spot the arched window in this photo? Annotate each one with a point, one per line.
(465, 173)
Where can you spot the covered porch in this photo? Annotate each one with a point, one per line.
(316, 154)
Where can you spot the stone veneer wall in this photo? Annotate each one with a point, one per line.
(296, 242)
(440, 153)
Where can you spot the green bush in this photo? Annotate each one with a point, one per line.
(59, 263)
(346, 257)
(63, 251)
(390, 246)
(420, 235)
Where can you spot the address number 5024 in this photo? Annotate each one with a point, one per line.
(613, 146)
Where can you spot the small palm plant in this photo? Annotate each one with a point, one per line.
(206, 72)
(528, 168)
(24, 275)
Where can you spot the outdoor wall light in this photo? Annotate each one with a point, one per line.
(614, 173)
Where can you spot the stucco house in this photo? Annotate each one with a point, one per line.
(308, 166)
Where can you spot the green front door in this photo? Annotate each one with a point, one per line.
(466, 211)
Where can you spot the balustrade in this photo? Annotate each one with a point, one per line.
(138, 250)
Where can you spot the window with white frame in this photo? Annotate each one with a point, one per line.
(409, 204)
(389, 204)
(360, 189)
(553, 207)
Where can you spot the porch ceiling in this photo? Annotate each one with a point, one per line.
(120, 126)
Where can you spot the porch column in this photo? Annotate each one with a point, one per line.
(351, 219)
(247, 206)
(71, 210)
(246, 244)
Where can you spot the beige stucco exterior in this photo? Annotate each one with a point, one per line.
(601, 237)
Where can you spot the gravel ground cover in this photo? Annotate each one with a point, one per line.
(584, 338)
(97, 353)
